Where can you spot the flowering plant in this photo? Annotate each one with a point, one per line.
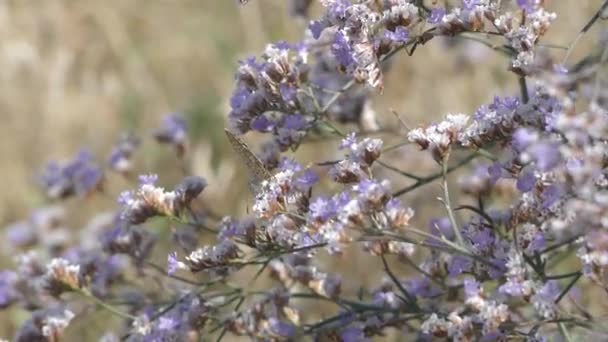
(490, 270)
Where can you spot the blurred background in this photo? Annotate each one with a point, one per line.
(78, 73)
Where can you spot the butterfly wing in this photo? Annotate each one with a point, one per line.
(257, 170)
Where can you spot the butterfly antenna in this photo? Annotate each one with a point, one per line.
(394, 112)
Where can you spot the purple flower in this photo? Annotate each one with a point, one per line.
(295, 122)
(510, 103)
(471, 288)
(560, 69)
(262, 124)
(495, 171)
(349, 142)
(458, 265)
(551, 195)
(441, 227)
(80, 176)
(289, 164)
(483, 240)
(7, 292)
(316, 27)
(173, 131)
(399, 35)
(322, 209)
(522, 138)
(550, 290)
(281, 328)
(149, 179)
(512, 288)
(574, 164)
(342, 50)
(546, 155)
(436, 16)
(306, 180)
(288, 92)
(423, 287)
(167, 323)
(527, 5)
(172, 263)
(353, 334)
(20, 234)
(538, 243)
(469, 4)
(526, 181)
(122, 153)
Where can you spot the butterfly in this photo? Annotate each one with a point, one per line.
(256, 168)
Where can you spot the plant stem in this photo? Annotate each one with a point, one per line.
(447, 202)
(104, 305)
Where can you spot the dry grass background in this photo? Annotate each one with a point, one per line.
(76, 73)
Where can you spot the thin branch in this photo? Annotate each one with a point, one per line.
(447, 202)
(586, 28)
(436, 176)
(410, 298)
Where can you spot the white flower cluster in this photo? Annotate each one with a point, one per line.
(53, 326)
(524, 37)
(438, 138)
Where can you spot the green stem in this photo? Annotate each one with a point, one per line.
(447, 202)
(104, 305)
(436, 176)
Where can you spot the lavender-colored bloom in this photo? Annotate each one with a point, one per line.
(149, 179)
(492, 336)
(322, 209)
(353, 334)
(546, 155)
(8, 294)
(20, 234)
(423, 287)
(471, 288)
(470, 4)
(574, 164)
(526, 181)
(522, 138)
(281, 328)
(496, 172)
(436, 16)
(349, 142)
(262, 124)
(459, 265)
(173, 131)
(560, 68)
(399, 35)
(510, 103)
(441, 227)
(342, 50)
(80, 176)
(316, 27)
(550, 290)
(172, 263)
(527, 5)
(551, 195)
(289, 164)
(483, 240)
(122, 153)
(306, 180)
(538, 243)
(295, 122)
(512, 288)
(288, 92)
(168, 323)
